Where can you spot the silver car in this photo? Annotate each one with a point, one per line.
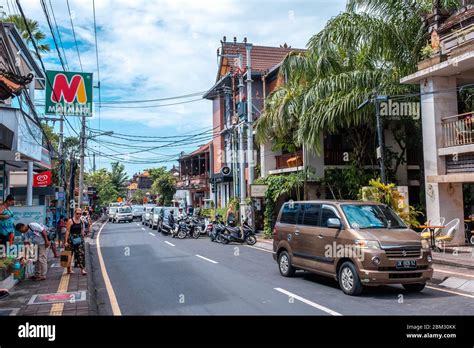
(147, 215)
(124, 214)
(111, 213)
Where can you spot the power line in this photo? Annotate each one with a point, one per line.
(45, 10)
(59, 33)
(74, 33)
(93, 130)
(152, 106)
(154, 100)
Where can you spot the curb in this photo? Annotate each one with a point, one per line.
(451, 263)
(93, 306)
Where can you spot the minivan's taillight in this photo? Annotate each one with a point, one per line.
(274, 232)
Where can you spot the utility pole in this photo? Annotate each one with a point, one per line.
(243, 188)
(377, 99)
(81, 160)
(250, 157)
(93, 162)
(381, 145)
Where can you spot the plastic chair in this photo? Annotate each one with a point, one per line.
(451, 228)
(426, 234)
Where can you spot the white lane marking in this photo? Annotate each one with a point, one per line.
(205, 258)
(151, 234)
(258, 248)
(169, 243)
(308, 302)
(451, 292)
(456, 273)
(143, 229)
(108, 285)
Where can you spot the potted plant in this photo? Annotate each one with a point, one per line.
(5, 268)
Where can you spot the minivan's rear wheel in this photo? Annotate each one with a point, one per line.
(349, 279)
(414, 287)
(284, 264)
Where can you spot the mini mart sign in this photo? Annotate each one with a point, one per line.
(69, 93)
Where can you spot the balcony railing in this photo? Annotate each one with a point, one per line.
(458, 130)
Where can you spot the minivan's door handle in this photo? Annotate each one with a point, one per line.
(320, 236)
(297, 232)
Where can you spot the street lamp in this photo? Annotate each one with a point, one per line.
(377, 99)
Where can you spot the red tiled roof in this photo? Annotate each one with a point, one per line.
(466, 15)
(201, 149)
(263, 57)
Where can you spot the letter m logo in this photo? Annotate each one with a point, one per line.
(69, 91)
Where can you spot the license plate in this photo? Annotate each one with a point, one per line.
(406, 264)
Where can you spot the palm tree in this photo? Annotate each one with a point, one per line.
(36, 32)
(365, 50)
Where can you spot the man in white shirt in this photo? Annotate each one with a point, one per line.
(35, 233)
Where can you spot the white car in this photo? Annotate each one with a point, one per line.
(124, 214)
(111, 213)
(154, 217)
(146, 216)
(138, 211)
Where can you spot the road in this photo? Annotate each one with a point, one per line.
(152, 274)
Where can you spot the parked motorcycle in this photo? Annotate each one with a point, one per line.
(243, 234)
(217, 229)
(187, 227)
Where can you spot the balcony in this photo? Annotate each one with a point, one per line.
(289, 160)
(458, 130)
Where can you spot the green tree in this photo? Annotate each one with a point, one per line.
(118, 177)
(138, 196)
(164, 184)
(33, 25)
(102, 180)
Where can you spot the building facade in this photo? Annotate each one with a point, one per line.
(448, 133)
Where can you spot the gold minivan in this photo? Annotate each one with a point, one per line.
(357, 243)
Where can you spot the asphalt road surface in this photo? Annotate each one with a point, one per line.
(152, 274)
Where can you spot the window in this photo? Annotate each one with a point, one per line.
(372, 216)
(311, 214)
(290, 213)
(328, 212)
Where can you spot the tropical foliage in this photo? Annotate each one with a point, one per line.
(33, 25)
(279, 186)
(388, 194)
(164, 185)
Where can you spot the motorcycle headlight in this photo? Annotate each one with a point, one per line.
(367, 244)
(425, 244)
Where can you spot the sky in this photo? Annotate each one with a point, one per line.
(151, 49)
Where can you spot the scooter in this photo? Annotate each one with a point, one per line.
(187, 228)
(218, 228)
(234, 234)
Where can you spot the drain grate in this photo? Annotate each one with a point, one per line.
(71, 297)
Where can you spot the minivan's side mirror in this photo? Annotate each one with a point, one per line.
(334, 223)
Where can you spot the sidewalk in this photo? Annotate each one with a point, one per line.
(455, 256)
(59, 294)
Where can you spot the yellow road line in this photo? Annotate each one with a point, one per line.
(108, 284)
(57, 308)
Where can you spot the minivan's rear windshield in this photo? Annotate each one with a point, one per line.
(372, 216)
(125, 210)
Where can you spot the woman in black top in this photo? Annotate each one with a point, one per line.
(74, 240)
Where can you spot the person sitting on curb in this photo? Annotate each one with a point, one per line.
(35, 233)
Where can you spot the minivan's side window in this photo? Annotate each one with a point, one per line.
(311, 214)
(289, 213)
(328, 212)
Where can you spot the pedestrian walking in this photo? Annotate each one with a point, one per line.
(74, 240)
(61, 230)
(7, 227)
(37, 234)
(86, 219)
